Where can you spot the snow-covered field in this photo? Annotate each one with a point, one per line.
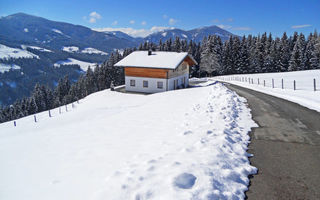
(7, 67)
(36, 48)
(184, 144)
(71, 61)
(89, 50)
(70, 49)
(303, 95)
(8, 52)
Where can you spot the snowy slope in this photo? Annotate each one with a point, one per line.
(91, 50)
(8, 52)
(7, 67)
(36, 48)
(71, 61)
(303, 95)
(185, 144)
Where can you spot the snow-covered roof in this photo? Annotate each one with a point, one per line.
(158, 59)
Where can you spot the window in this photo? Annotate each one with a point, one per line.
(132, 83)
(160, 85)
(145, 84)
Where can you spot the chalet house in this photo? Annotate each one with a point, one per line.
(157, 71)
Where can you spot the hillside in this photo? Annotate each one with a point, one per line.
(124, 146)
(36, 50)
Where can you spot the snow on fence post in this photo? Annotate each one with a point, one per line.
(15, 123)
(264, 83)
(272, 83)
(35, 118)
(314, 85)
(49, 113)
(282, 83)
(294, 85)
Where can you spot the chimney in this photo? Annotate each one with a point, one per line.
(149, 52)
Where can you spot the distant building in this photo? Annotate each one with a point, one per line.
(158, 71)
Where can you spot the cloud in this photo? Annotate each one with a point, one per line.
(172, 21)
(143, 23)
(93, 17)
(96, 15)
(115, 22)
(223, 26)
(135, 32)
(301, 26)
(164, 16)
(132, 22)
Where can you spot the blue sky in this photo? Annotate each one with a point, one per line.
(141, 17)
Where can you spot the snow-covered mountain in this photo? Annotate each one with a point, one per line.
(23, 28)
(195, 34)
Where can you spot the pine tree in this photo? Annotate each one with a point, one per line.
(244, 57)
(295, 59)
(315, 59)
(308, 51)
(177, 45)
(284, 53)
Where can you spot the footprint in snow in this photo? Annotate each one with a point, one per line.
(184, 181)
(187, 132)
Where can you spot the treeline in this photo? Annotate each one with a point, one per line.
(43, 98)
(260, 54)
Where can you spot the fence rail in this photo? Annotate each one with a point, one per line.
(285, 84)
(58, 110)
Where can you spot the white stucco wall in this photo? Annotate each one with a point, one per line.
(180, 81)
(152, 84)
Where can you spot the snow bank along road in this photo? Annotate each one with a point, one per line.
(184, 144)
(281, 84)
(286, 148)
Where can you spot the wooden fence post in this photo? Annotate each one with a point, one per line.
(282, 83)
(60, 110)
(258, 82)
(314, 85)
(49, 113)
(35, 118)
(78, 101)
(294, 85)
(72, 105)
(66, 108)
(14, 123)
(272, 83)
(264, 83)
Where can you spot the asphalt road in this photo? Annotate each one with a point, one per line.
(286, 148)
